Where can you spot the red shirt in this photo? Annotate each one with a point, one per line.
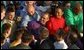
(54, 24)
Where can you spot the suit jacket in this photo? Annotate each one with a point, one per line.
(46, 44)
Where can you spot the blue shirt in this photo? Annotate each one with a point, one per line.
(26, 18)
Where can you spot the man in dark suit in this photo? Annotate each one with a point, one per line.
(43, 42)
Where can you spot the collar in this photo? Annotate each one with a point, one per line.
(42, 41)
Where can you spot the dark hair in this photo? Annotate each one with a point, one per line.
(59, 7)
(40, 3)
(26, 37)
(17, 33)
(60, 33)
(5, 27)
(10, 8)
(2, 7)
(17, 5)
(44, 32)
(65, 2)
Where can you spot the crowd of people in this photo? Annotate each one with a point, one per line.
(41, 24)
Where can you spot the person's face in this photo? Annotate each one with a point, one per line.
(59, 13)
(11, 15)
(68, 5)
(7, 33)
(31, 10)
(44, 19)
(2, 14)
(77, 8)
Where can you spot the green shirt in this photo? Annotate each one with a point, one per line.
(74, 19)
(79, 21)
(69, 17)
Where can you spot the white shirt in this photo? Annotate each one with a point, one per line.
(7, 40)
(60, 45)
(42, 41)
(8, 21)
